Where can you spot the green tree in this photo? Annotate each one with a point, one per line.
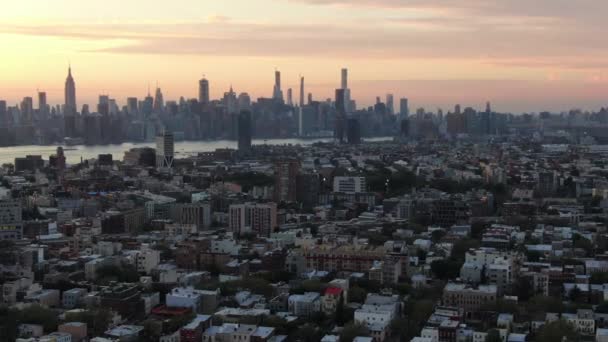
(445, 269)
(8, 323)
(599, 278)
(556, 331)
(97, 320)
(37, 314)
(493, 336)
(308, 333)
(352, 330)
(543, 304)
(462, 246)
(399, 328)
(340, 311)
(357, 294)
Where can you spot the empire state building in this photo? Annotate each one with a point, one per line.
(70, 94)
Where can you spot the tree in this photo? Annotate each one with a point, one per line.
(556, 331)
(37, 314)
(445, 269)
(437, 235)
(462, 246)
(357, 294)
(575, 294)
(97, 320)
(399, 327)
(543, 304)
(308, 333)
(523, 289)
(583, 243)
(493, 336)
(599, 278)
(352, 330)
(340, 311)
(8, 324)
(602, 307)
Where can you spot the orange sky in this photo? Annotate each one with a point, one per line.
(523, 57)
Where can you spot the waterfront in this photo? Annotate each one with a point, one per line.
(182, 148)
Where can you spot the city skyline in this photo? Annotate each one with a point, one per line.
(554, 59)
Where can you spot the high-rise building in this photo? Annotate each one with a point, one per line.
(203, 91)
(307, 189)
(11, 227)
(309, 98)
(42, 105)
(70, 94)
(289, 97)
(27, 110)
(259, 218)
(244, 102)
(301, 91)
(244, 131)
(390, 106)
(164, 150)
(277, 93)
(285, 180)
(3, 114)
(132, 106)
(103, 107)
(353, 131)
(230, 101)
(349, 184)
(147, 105)
(159, 103)
(404, 109)
(340, 124)
(346, 94)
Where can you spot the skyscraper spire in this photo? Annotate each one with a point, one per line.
(70, 93)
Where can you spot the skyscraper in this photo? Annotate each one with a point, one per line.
(404, 109)
(340, 125)
(286, 173)
(159, 103)
(244, 102)
(164, 150)
(203, 91)
(390, 106)
(289, 97)
(353, 131)
(244, 131)
(301, 91)
(103, 107)
(70, 94)
(344, 86)
(277, 93)
(132, 106)
(3, 114)
(42, 105)
(27, 110)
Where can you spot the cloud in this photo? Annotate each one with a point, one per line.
(506, 39)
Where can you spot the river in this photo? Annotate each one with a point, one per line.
(73, 154)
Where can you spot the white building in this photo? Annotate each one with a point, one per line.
(73, 298)
(304, 305)
(349, 185)
(147, 259)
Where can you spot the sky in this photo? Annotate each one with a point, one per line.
(521, 55)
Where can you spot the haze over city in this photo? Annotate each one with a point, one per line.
(523, 57)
